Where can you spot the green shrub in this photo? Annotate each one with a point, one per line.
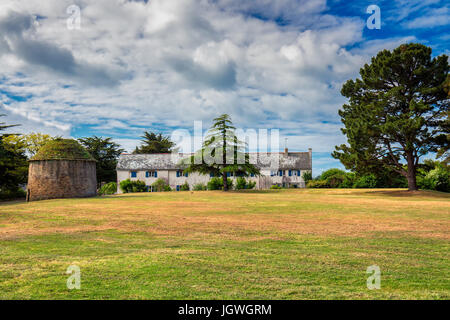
(336, 180)
(366, 181)
(251, 184)
(307, 176)
(199, 187)
(128, 186)
(217, 183)
(388, 178)
(331, 172)
(138, 186)
(230, 183)
(437, 179)
(241, 183)
(167, 188)
(349, 180)
(275, 186)
(333, 178)
(184, 187)
(125, 186)
(108, 188)
(160, 185)
(317, 184)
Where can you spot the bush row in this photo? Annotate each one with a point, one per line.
(432, 175)
(159, 185)
(336, 178)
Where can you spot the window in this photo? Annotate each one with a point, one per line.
(181, 174)
(178, 187)
(133, 174)
(290, 173)
(298, 173)
(280, 173)
(211, 175)
(150, 174)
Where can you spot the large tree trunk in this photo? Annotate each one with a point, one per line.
(225, 181)
(411, 174)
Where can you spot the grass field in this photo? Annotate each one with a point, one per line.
(287, 244)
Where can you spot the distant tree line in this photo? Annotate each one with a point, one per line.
(16, 149)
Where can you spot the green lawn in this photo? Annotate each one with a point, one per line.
(287, 244)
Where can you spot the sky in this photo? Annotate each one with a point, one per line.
(115, 68)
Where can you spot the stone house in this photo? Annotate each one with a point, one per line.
(286, 169)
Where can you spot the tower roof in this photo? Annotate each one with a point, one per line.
(62, 149)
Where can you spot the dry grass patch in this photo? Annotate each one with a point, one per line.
(257, 245)
(234, 215)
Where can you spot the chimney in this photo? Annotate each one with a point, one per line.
(310, 157)
(285, 147)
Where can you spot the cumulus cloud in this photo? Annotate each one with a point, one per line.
(16, 30)
(161, 64)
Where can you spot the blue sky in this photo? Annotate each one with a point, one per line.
(160, 65)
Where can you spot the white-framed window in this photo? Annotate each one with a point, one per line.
(151, 174)
(180, 173)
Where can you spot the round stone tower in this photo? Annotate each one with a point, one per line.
(62, 168)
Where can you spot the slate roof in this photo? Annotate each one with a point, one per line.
(168, 161)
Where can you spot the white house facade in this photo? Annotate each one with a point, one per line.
(285, 169)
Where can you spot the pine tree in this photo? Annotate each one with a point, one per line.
(154, 143)
(396, 111)
(221, 153)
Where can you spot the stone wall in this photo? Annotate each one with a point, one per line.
(51, 179)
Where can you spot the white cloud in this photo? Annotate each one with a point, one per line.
(165, 63)
(434, 18)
